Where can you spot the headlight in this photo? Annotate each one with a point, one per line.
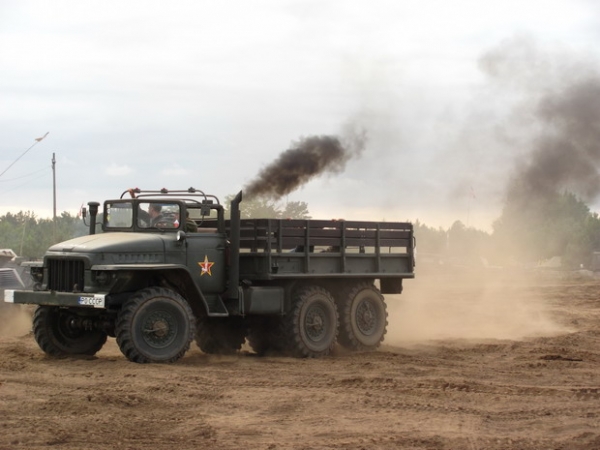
(102, 278)
(37, 274)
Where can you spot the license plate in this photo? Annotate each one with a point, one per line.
(97, 301)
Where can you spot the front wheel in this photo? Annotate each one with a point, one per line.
(312, 323)
(364, 318)
(156, 325)
(58, 333)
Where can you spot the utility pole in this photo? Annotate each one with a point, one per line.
(54, 193)
(23, 236)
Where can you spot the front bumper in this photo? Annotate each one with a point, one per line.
(51, 298)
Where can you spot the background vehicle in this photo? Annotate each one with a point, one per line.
(292, 286)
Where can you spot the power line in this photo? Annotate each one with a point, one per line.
(37, 140)
(24, 176)
(25, 184)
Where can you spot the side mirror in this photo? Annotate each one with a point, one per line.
(205, 207)
(205, 210)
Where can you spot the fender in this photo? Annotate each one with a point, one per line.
(177, 276)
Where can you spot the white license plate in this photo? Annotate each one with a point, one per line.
(97, 301)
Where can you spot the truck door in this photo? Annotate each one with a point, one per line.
(206, 260)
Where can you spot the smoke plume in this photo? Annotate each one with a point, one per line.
(568, 153)
(306, 159)
(560, 100)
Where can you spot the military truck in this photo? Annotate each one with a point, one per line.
(296, 287)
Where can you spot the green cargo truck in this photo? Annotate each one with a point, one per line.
(296, 287)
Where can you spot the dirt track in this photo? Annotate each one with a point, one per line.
(494, 364)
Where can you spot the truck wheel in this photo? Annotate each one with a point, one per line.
(220, 336)
(56, 332)
(312, 323)
(364, 318)
(156, 325)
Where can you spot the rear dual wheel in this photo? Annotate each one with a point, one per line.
(363, 322)
(312, 324)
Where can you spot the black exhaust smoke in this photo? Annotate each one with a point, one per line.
(308, 158)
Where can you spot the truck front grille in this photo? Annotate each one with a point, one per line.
(65, 275)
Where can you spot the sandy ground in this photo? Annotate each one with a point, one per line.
(486, 360)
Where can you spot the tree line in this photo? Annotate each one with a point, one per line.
(524, 234)
(30, 236)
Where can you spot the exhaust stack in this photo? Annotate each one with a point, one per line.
(234, 250)
(93, 207)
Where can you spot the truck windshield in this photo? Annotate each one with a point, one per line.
(146, 215)
(119, 215)
(158, 215)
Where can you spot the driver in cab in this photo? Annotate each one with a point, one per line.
(151, 217)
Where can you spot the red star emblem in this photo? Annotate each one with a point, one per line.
(205, 266)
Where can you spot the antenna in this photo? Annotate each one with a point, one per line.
(54, 192)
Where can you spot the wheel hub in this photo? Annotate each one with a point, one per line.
(366, 318)
(315, 323)
(68, 326)
(159, 329)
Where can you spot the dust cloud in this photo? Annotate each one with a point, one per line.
(15, 320)
(469, 305)
(547, 110)
(307, 158)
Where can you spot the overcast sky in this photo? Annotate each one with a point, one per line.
(205, 94)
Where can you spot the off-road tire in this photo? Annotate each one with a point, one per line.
(363, 321)
(156, 325)
(56, 337)
(312, 324)
(220, 336)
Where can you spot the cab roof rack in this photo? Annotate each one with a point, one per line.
(191, 192)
